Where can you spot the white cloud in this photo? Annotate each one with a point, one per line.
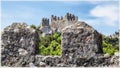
(108, 14)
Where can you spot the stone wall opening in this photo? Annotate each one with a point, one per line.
(50, 45)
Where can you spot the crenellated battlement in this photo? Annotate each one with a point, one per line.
(67, 17)
(45, 28)
(45, 22)
(59, 23)
(71, 17)
(56, 18)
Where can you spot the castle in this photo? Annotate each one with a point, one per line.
(80, 43)
(57, 23)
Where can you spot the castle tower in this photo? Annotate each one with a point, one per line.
(45, 28)
(58, 23)
(71, 18)
(45, 22)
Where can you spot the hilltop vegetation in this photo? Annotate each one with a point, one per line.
(51, 44)
(110, 45)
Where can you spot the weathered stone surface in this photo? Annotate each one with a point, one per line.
(19, 42)
(95, 61)
(115, 59)
(80, 41)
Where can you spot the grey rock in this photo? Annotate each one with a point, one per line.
(81, 40)
(31, 65)
(42, 64)
(22, 52)
(115, 60)
(20, 43)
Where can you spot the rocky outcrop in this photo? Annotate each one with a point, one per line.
(19, 43)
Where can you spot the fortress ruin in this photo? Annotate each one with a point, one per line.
(81, 45)
(57, 23)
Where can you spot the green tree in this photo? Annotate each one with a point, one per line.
(107, 46)
(33, 26)
(50, 44)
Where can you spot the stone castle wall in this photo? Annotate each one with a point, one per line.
(59, 23)
(81, 46)
(19, 44)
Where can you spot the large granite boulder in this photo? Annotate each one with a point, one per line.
(19, 43)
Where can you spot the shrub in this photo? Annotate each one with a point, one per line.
(50, 44)
(33, 26)
(107, 46)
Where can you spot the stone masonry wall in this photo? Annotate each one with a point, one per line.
(58, 23)
(19, 44)
(81, 46)
(79, 41)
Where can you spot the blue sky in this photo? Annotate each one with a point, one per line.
(101, 15)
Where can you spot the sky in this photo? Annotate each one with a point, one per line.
(101, 15)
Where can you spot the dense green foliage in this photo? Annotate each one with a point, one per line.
(108, 44)
(50, 44)
(33, 26)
